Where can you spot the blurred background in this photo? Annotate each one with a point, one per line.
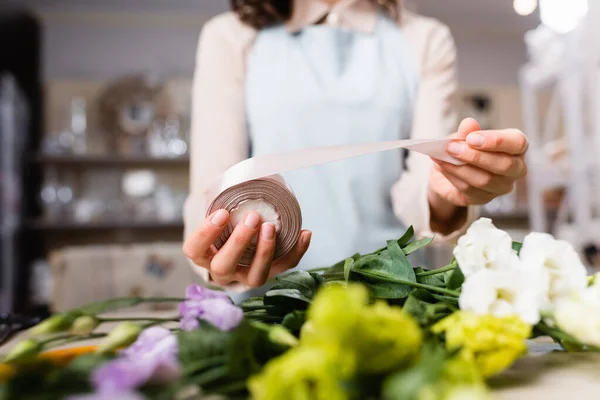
(94, 128)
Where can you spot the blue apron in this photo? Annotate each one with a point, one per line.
(329, 86)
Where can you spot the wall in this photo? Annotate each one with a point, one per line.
(87, 42)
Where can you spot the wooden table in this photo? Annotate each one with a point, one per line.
(544, 374)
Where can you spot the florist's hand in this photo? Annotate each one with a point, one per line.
(222, 265)
(494, 159)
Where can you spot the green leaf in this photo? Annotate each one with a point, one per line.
(348, 268)
(393, 265)
(286, 300)
(447, 299)
(378, 272)
(456, 279)
(414, 246)
(86, 363)
(432, 280)
(253, 303)
(299, 280)
(110, 305)
(407, 236)
(386, 290)
(245, 345)
(293, 321)
(407, 384)
(319, 280)
(202, 343)
(339, 266)
(517, 246)
(424, 307)
(272, 314)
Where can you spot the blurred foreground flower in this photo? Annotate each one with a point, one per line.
(579, 316)
(108, 396)
(54, 324)
(84, 325)
(209, 305)
(558, 261)
(152, 357)
(381, 337)
(303, 373)
(197, 292)
(122, 335)
(492, 343)
(24, 350)
(503, 293)
(484, 247)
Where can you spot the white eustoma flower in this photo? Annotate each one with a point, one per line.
(484, 246)
(558, 261)
(503, 293)
(579, 316)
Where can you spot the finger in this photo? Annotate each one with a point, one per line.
(467, 194)
(510, 141)
(497, 163)
(291, 259)
(197, 247)
(258, 273)
(478, 178)
(467, 126)
(225, 262)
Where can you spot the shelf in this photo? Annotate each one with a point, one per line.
(107, 160)
(107, 225)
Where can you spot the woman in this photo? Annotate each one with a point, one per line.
(279, 75)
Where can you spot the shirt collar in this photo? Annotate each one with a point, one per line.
(360, 15)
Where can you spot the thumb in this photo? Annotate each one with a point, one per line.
(467, 126)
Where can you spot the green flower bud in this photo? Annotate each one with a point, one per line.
(84, 325)
(24, 350)
(281, 336)
(56, 323)
(121, 336)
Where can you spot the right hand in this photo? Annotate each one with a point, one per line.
(222, 264)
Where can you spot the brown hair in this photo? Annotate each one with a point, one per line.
(262, 13)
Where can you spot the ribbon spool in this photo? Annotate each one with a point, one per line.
(273, 192)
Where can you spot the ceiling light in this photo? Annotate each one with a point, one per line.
(563, 15)
(524, 7)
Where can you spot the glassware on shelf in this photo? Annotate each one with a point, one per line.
(49, 195)
(79, 125)
(72, 138)
(166, 138)
(65, 194)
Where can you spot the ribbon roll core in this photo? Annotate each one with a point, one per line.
(279, 206)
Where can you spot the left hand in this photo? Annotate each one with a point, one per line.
(494, 159)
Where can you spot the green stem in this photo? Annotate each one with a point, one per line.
(448, 267)
(321, 269)
(163, 300)
(264, 318)
(418, 285)
(211, 375)
(67, 339)
(257, 307)
(333, 276)
(232, 387)
(203, 364)
(149, 319)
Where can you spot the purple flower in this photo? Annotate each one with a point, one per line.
(218, 312)
(152, 357)
(196, 292)
(108, 396)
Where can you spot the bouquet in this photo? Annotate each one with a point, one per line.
(371, 326)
